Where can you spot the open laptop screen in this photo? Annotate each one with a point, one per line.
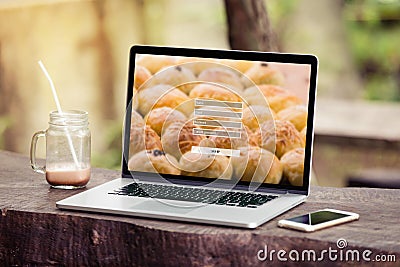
(224, 117)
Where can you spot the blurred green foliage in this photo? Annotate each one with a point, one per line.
(5, 122)
(373, 28)
(111, 159)
(278, 9)
(278, 12)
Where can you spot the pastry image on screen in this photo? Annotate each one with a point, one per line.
(220, 119)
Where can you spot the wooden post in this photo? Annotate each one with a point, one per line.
(249, 26)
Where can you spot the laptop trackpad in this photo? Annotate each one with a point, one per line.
(158, 206)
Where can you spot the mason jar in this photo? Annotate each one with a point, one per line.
(68, 142)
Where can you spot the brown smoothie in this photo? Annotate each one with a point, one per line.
(68, 177)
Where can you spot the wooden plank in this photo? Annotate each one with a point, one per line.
(358, 119)
(375, 177)
(34, 232)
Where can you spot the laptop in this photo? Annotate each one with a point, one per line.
(212, 136)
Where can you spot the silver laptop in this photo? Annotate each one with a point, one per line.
(212, 136)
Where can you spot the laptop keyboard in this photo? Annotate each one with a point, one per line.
(200, 195)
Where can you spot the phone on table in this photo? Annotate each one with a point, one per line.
(318, 220)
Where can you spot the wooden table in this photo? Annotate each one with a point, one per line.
(34, 232)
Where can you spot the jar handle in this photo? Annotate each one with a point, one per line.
(35, 167)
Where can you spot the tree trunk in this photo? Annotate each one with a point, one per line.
(105, 65)
(249, 26)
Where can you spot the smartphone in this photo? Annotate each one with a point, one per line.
(318, 220)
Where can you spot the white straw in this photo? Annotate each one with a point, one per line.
(53, 89)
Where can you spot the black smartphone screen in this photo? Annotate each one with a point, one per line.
(318, 217)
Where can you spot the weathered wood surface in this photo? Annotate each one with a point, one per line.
(34, 232)
(358, 120)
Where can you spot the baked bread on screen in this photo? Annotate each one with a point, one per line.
(154, 63)
(141, 76)
(293, 166)
(257, 165)
(203, 165)
(272, 133)
(162, 95)
(272, 96)
(278, 137)
(253, 93)
(210, 91)
(296, 115)
(303, 134)
(246, 139)
(136, 118)
(153, 161)
(283, 101)
(178, 138)
(263, 73)
(196, 65)
(180, 77)
(142, 137)
(240, 65)
(160, 118)
(254, 116)
(222, 76)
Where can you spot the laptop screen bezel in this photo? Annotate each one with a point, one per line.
(310, 60)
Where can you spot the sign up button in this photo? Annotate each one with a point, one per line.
(216, 151)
